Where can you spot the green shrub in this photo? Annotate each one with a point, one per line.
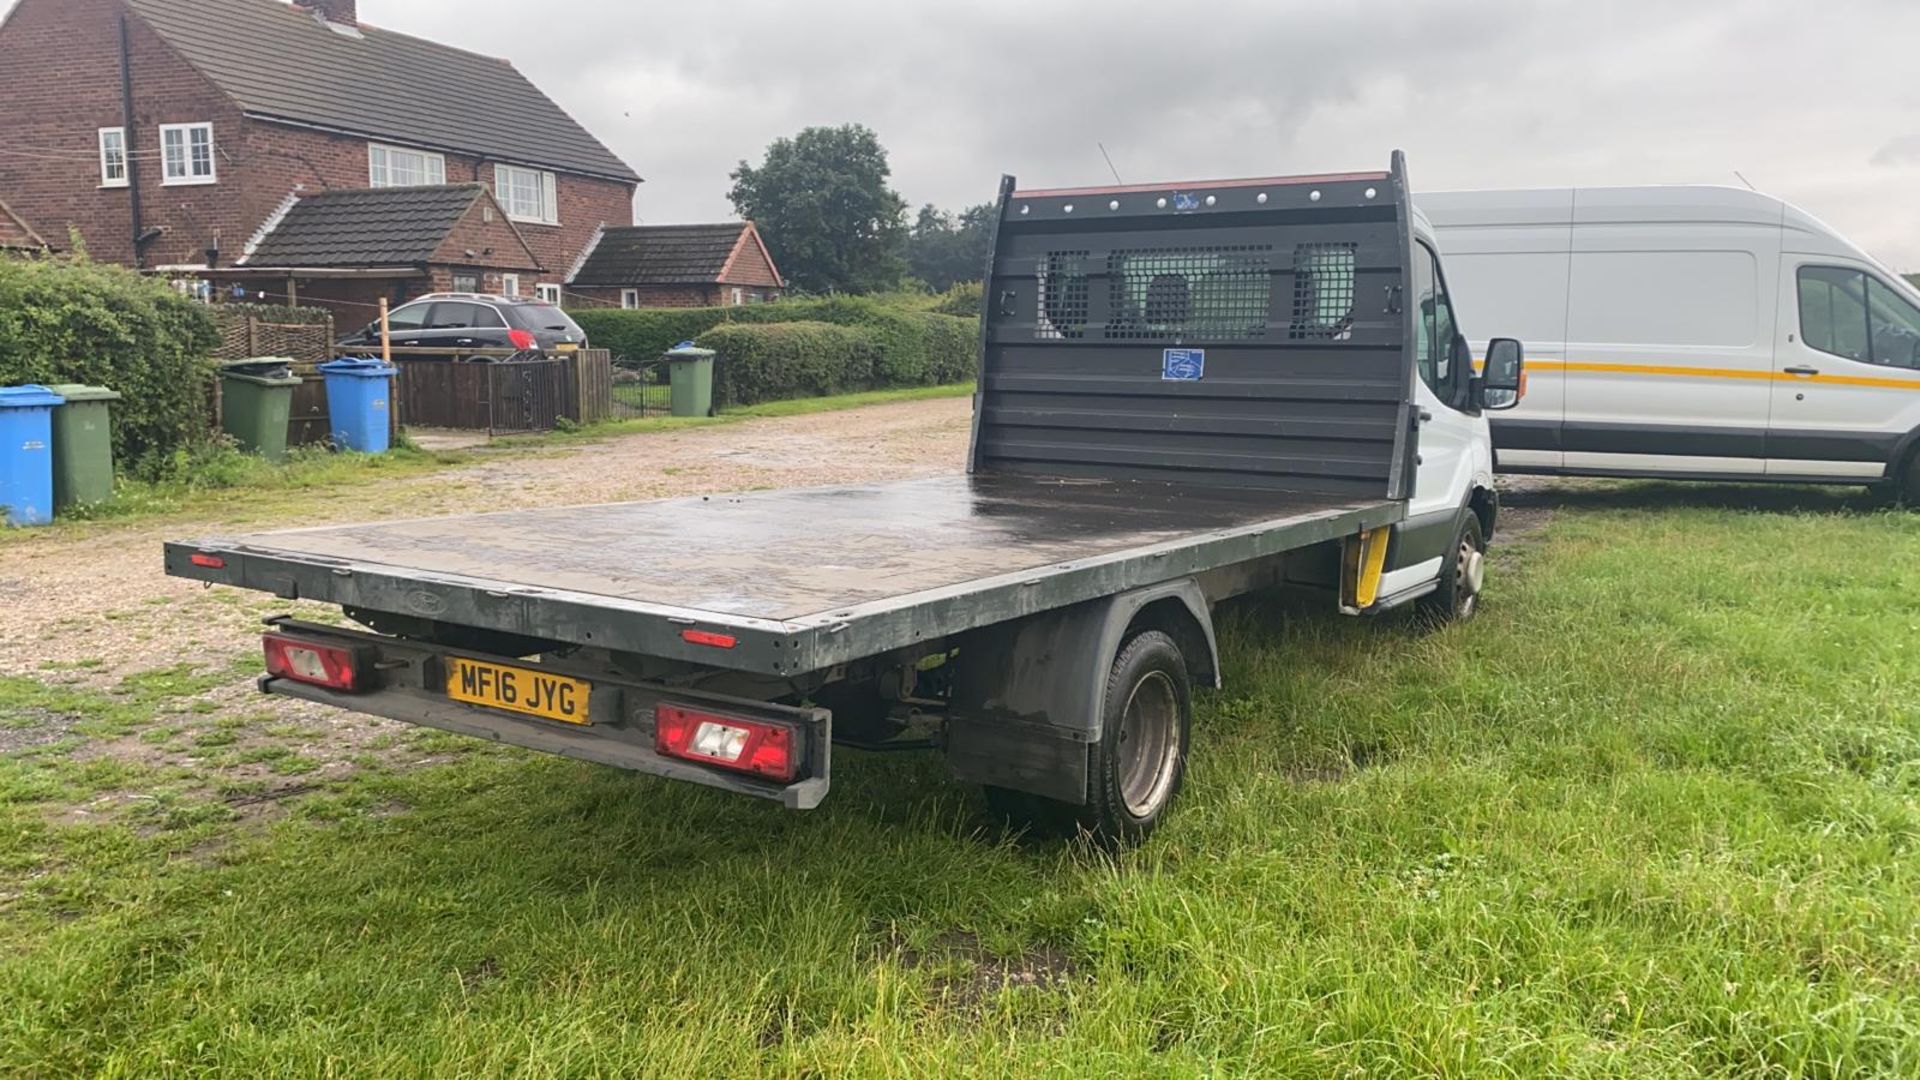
(962, 300)
(916, 347)
(952, 347)
(70, 320)
(639, 337)
(768, 361)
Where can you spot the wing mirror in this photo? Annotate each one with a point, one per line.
(1503, 380)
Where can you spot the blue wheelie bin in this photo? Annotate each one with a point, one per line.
(359, 394)
(26, 453)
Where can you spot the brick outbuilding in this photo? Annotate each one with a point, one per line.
(676, 266)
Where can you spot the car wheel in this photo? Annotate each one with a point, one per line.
(1461, 577)
(1137, 766)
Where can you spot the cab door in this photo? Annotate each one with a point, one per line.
(1847, 388)
(1454, 448)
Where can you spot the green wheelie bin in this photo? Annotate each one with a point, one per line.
(82, 445)
(256, 401)
(690, 372)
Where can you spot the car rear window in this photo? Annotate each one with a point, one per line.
(544, 317)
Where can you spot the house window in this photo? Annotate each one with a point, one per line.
(466, 282)
(186, 154)
(739, 297)
(527, 194)
(113, 157)
(392, 166)
(549, 293)
(510, 284)
(630, 298)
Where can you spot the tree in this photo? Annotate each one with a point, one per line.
(943, 250)
(821, 202)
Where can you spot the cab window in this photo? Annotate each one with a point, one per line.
(1434, 328)
(1858, 317)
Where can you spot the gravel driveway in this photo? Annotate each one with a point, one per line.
(95, 602)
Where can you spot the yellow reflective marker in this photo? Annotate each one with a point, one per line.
(1362, 565)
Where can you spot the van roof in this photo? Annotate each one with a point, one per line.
(1694, 204)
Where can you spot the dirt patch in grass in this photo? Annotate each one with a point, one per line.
(966, 974)
(32, 728)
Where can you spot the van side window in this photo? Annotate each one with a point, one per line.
(1850, 314)
(1433, 325)
(1894, 327)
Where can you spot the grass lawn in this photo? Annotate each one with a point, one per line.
(1655, 813)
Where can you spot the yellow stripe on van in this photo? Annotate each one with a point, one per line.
(1693, 372)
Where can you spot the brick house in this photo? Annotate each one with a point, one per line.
(677, 266)
(176, 136)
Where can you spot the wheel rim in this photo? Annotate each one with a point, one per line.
(1470, 572)
(1149, 750)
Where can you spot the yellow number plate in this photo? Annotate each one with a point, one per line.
(521, 690)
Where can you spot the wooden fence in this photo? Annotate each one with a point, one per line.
(500, 394)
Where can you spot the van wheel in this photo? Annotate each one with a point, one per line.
(1461, 577)
(1907, 487)
(1135, 769)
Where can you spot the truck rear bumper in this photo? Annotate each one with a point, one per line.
(410, 689)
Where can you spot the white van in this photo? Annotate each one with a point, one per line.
(1689, 332)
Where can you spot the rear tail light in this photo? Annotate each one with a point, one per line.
(311, 662)
(731, 742)
(520, 339)
(211, 562)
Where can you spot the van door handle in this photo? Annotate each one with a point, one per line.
(1802, 370)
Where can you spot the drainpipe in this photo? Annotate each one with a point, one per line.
(128, 143)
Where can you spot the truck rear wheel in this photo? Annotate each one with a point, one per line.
(1135, 769)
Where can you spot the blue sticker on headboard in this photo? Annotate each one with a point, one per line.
(1183, 365)
(1185, 200)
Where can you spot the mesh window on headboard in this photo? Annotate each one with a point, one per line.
(1323, 287)
(1190, 293)
(1063, 296)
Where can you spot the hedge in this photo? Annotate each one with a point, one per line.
(767, 361)
(70, 320)
(916, 347)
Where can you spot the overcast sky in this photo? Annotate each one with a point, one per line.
(1816, 102)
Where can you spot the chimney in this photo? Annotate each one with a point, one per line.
(337, 12)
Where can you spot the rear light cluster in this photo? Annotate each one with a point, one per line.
(731, 742)
(520, 339)
(311, 662)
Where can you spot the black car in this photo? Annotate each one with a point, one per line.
(474, 321)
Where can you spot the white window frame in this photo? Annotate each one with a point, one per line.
(547, 293)
(380, 172)
(189, 178)
(630, 299)
(739, 296)
(509, 284)
(547, 213)
(107, 179)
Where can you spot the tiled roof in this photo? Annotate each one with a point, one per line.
(366, 227)
(660, 254)
(282, 63)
